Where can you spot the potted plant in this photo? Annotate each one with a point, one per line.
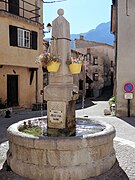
(52, 62)
(75, 64)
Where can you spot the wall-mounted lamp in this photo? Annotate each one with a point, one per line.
(49, 27)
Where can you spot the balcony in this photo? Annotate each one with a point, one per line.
(21, 8)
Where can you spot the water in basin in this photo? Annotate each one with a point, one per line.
(83, 127)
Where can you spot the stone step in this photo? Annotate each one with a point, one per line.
(18, 109)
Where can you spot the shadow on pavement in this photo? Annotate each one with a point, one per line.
(115, 173)
(106, 94)
(129, 120)
(87, 103)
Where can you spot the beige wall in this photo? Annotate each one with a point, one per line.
(125, 54)
(20, 59)
(17, 56)
(26, 92)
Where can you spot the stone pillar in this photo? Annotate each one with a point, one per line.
(61, 93)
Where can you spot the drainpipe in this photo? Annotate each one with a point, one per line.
(36, 11)
(116, 52)
(84, 82)
(36, 86)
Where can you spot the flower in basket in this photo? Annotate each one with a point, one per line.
(46, 58)
(75, 60)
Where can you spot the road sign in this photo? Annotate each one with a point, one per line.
(128, 95)
(128, 87)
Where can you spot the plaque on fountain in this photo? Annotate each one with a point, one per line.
(56, 114)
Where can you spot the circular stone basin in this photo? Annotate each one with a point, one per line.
(63, 158)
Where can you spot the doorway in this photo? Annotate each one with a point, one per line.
(12, 90)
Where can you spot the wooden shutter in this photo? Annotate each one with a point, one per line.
(13, 35)
(34, 40)
(13, 6)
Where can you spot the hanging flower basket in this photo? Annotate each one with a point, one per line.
(75, 68)
(52, 62)
(75, 64)
(53, 66)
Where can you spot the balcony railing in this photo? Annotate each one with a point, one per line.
(21, 8)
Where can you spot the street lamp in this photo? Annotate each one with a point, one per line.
(49, 27)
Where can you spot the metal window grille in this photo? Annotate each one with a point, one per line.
(24, 9)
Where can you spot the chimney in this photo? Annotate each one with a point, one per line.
(81, 37)
(88, 50)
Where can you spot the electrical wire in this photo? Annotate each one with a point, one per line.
(54, 1)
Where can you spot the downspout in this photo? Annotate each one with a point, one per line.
(36, 86)
(116, 52)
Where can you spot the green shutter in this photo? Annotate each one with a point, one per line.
(34, 40)
(13, 35)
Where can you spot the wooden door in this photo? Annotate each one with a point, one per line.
(12, 90)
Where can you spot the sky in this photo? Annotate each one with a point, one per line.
(83, 15)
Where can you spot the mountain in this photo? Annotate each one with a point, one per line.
(100, 34)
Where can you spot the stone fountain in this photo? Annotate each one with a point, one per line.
(61, 93)
(60, 154)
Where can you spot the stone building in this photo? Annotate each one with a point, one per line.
(122, 25)
(21, 34)
(99, 65)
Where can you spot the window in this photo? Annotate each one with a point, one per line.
(111, 63)
(95, 76)
(80, 84)
(23, 38)
(95, 60)
(88, 57)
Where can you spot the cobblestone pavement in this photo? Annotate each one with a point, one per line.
(124, 142)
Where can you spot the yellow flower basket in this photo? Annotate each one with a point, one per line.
(53, 66)
(75, 68)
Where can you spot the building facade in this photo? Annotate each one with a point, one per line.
(122, 25)
(99, 65)
(21, 34)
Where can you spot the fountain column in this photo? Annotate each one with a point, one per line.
(61, 93)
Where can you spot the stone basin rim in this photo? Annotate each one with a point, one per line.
(77, 157)
(109, 129)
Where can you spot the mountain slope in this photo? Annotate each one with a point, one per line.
(100, 34)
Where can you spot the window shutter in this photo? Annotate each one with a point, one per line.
(13, 6)
(34, 40)
(13, 35)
